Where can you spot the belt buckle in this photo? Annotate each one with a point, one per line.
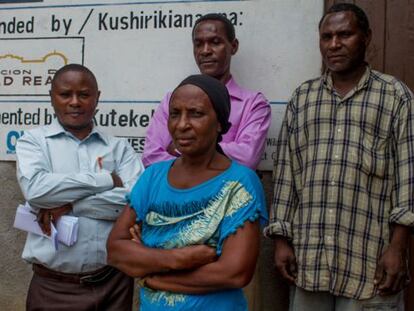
(97, 278)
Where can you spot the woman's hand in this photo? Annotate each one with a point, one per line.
(135, 232)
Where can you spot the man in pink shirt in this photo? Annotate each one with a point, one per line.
(214, 43)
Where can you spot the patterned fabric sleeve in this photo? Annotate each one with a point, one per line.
(246, 202)
(284, 197)
(402, 195)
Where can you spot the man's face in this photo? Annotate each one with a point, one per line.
(74, 98)
(212, 49)
(342, 43)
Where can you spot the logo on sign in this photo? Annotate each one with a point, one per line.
(27, 65)
(11, 140)
(17, 72)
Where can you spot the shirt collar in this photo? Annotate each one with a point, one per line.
(55, 129)
(363, 82)
(234, 89)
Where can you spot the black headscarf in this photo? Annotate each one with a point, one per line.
(219, 98)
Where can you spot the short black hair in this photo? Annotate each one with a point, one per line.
(74, 67)
(230, 31)
(362, 19)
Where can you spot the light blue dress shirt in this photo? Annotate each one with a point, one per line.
(55, 168)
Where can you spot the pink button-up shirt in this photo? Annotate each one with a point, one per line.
(250, 118)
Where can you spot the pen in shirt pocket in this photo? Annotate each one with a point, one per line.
(99, 160)
(105, 164)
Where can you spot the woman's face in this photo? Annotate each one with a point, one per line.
(192, 121)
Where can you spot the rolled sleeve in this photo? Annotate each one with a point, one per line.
(402, 197)
(402, 216)
(285, 198)
(278, 228)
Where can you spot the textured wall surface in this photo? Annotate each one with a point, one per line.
(14, 273)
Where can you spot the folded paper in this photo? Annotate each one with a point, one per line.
(66, 230)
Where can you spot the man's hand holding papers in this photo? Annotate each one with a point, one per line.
(62, 228)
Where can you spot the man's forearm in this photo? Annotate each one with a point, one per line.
(48, 190)
(105, 205)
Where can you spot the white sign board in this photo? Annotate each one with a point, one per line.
(139, 50)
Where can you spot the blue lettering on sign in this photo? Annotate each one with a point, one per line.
(12, 138)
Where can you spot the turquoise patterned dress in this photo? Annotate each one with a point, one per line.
(205, 214)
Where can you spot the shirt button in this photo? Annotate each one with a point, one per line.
(339, 130)
(336, 156)
(332, 183)
(330, 211)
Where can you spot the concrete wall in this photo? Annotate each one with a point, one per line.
(266, 292)
(14, 273)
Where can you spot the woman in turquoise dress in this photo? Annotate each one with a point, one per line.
(191, 229)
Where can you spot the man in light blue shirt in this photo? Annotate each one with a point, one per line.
(71, 167)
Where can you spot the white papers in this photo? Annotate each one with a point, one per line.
(66, 230)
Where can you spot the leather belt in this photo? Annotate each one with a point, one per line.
(89, 278)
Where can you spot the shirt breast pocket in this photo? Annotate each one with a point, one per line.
(105, 164)
(373, 154)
